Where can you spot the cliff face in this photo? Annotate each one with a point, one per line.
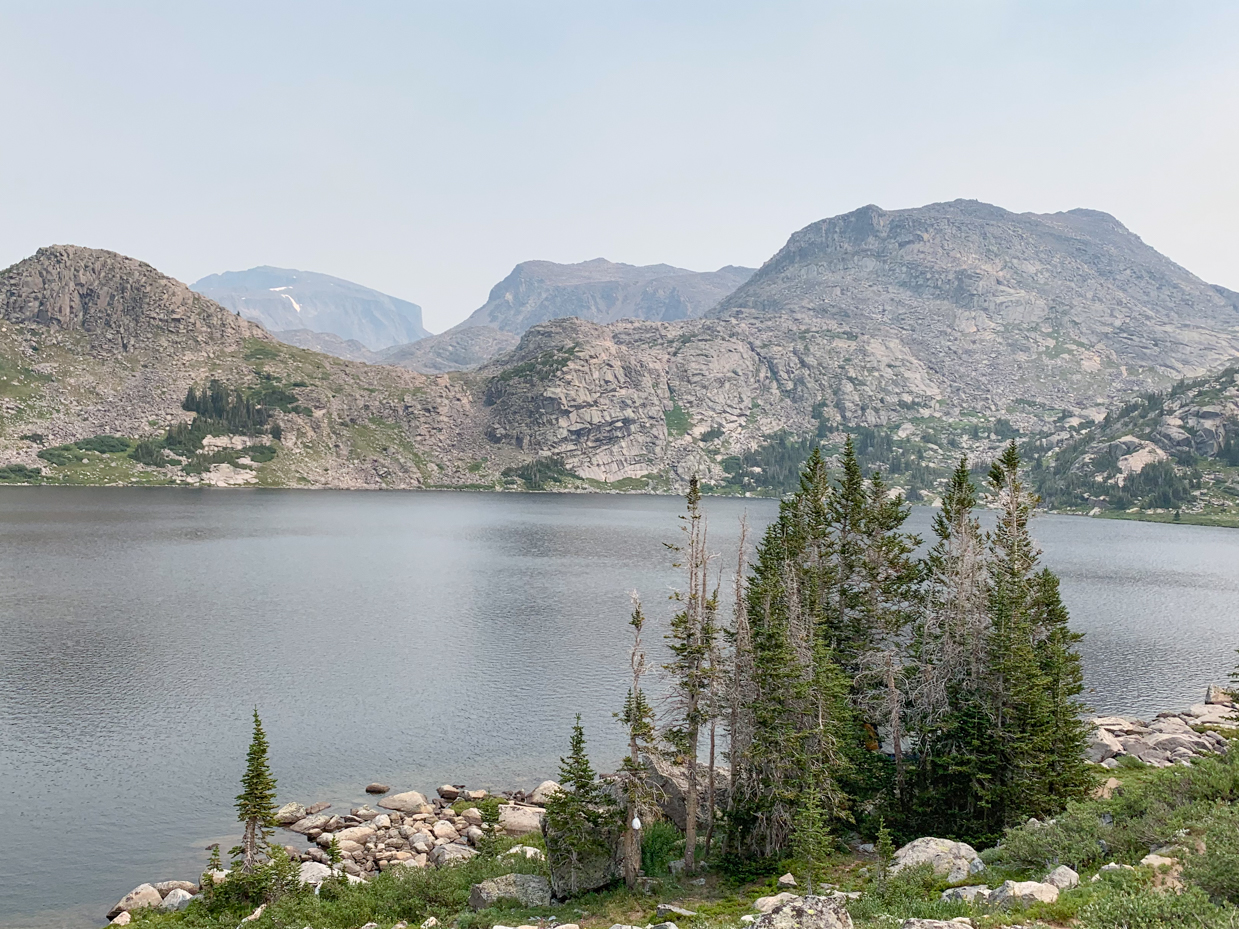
(602, 291)
(282, 299)
(926, 334)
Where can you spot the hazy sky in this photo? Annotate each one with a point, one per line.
(424, 149)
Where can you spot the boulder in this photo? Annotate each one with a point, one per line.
(215, 877)
(445, 830)
(140, 896)
(528, 851)
(166, 887)
(1219, 695)
(431, 923)
(289, 813)
(177, 899)
(312, 872)
(1158, 861)
(1102, 745)
(787, 880)
(806, 913)
(1062, 877)
(317, 808)
(578, 871)
(529, 890)
(357, 834)
(953, 860)
(973, 893)
(450, 853)
(543, 792)
(310, 823)
(766, 904)
(1023, 892)
(667, 910)
(473, 816)
(474, 795)
(670, 785)
(122, 919)
(377, 788)
(520, 820)
(449, 793)
(408, 802)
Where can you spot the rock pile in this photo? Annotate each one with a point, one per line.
(167, 895)
(410, 830)
(1171, 738)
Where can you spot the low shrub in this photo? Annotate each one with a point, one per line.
(18, 472)
(60, 455)
(103, 444)
(1216, 869)
(1147, 908)
(661, 844)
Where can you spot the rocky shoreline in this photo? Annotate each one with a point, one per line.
(413, 830)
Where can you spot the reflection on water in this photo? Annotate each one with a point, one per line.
(408, 638)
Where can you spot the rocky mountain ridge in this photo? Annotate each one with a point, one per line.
(924, 334)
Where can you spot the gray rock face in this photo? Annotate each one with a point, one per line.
(806, 913)
(284, 299)
(602, 291)
(455, 350)
(529, 890)
(118, 301)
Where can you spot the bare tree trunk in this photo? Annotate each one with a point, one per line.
(710, 789)
(249, 846)
(690, 830)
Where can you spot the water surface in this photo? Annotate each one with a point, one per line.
(413, 638)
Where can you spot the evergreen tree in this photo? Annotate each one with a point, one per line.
(256, 802)
(691, 641)
(812, 842)
(638, 719)
(580, 816)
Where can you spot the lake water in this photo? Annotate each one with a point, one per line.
(412, 638)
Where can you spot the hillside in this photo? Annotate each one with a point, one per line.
(98, 353)
(1171, 455)
(923, 334)
(282, 300)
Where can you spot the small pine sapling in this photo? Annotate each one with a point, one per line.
(255, 803)
(885, 848)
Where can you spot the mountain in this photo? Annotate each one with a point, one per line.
(922, 335)
(282, 299)
(602, 291)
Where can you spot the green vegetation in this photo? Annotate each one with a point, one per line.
(72, 452)
(678, 421)
(19, 473)
(542, 473)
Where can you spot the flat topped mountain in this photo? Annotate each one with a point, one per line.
(112, 297)
(602, 291)
(283, 299)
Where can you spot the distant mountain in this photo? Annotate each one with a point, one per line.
(602, 291)
(455, 350)
(331, 344)
(282, 299)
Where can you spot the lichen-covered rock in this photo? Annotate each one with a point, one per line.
(290, 813)
(529, 890)
(1023, 892)
(806, 913)
(1062, 877)
(140, 896)
(953, 860)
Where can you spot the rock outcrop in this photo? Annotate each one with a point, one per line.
(953, 860)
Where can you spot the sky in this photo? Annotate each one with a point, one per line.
(424, 149)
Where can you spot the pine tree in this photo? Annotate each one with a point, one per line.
(638, 719)
(812, 842)
(256, 802)
(580, 816)
(691, 641)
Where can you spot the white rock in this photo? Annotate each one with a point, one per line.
(289, 813)
(177, 899)
(356, 834)
(1024, 892)
(766, 904)
(1062, 877)
(140, 896)
(953, 860)
(382, 821)
(533, 854)
(1158, 861)
(313, 872)
(520, 820)
(408, 802)
(1102, 745)
(431, 922)
(787, 880)
(445, 830)
(543, 792)
(121, 920)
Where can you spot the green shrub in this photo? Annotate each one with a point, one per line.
(1216, 870)
(37, 438)
(259, 454)
(60, 455)
(488, 806)
(18, 472)
(1147, 908)
(661, 844)
(1077, 838)
(149, 452)
(103, 444)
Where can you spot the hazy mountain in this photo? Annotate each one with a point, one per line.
(602, 291)
(282, 299)
(924, 333)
